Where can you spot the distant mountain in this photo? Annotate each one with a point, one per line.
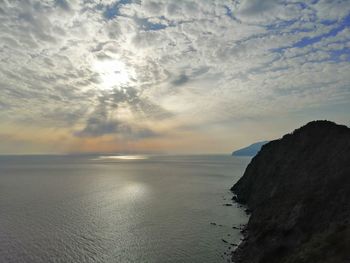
(251, 150)
(297, 190)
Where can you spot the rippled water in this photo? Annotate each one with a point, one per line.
(105, 209)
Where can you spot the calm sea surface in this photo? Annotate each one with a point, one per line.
(106, 209)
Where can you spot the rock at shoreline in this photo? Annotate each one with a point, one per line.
(298, 192)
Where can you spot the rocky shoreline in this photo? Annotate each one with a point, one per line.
(297, 190)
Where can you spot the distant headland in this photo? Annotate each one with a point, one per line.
(250, 150)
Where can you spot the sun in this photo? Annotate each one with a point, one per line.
(111, 73)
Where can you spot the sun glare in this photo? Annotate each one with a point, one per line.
(112, 73)
(123, 157)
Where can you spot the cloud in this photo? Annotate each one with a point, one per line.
(183, 63)
(180, 80)
(63, 4)
(105, 118)
(96, 127)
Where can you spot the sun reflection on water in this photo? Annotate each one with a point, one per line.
(123, 157)
(134, 191)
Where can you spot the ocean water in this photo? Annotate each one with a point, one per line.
(118, 209)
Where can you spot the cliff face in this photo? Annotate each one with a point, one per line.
(298, 191)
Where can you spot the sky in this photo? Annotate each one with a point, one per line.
(157, 76)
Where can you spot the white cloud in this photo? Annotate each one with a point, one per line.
(208, 60)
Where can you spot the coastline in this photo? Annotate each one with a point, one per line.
(297, 189)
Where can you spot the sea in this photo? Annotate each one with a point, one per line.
(105, 208)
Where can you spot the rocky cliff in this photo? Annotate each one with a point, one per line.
(298, 191)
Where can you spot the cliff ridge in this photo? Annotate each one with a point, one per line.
(298, 191)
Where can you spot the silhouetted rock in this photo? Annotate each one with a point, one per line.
(298, 191)
(251, 150)
(248, 211)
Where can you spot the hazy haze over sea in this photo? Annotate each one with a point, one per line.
(117, 209)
